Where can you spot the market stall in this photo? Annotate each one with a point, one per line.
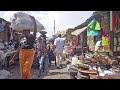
(104, 28)
(6, 46)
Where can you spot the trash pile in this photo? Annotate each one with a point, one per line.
(94, 66)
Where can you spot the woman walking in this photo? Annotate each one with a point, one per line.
(26, 52)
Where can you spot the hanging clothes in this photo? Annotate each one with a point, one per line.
(90, 43)
(118, 22)
(94, 32)
(94, 25)
(103, 29)
(93, 28)
(105, 41)
(114, 20)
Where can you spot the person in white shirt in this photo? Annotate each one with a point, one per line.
(59, 45)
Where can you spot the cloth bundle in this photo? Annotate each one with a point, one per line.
(20, 21)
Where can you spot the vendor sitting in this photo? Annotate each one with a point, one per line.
(73, 59)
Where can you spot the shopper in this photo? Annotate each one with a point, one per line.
(59, 45)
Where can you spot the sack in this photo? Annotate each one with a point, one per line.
(21, 21)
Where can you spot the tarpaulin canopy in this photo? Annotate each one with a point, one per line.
(78, 31)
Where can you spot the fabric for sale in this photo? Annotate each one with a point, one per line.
(92, 33)
(94, 25)
(90, 42)
(114, 20)
(104, 26)
(105, 41)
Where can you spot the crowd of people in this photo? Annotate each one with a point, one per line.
(35, 53)
(45, 54)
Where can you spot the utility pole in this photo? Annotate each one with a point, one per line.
(54, 27)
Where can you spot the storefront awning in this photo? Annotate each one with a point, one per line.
(78, 31)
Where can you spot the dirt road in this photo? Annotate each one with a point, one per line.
(50, 73)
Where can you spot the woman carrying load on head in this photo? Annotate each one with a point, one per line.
(26, 52)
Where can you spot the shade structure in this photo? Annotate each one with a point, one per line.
(78, 31)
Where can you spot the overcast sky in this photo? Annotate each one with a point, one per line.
(63, 19)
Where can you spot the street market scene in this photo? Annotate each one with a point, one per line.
(87, 47)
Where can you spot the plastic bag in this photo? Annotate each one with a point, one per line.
(21, 21)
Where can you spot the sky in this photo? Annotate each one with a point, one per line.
(63, 19)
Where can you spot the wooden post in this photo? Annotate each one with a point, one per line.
(111, 36)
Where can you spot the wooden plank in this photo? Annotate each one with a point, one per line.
(88, 71)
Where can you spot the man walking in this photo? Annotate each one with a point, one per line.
(59, 45)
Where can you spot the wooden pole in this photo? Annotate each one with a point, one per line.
(111, 35)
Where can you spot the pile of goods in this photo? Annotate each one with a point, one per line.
(82, 65)
(98, 59)
(96, 66)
